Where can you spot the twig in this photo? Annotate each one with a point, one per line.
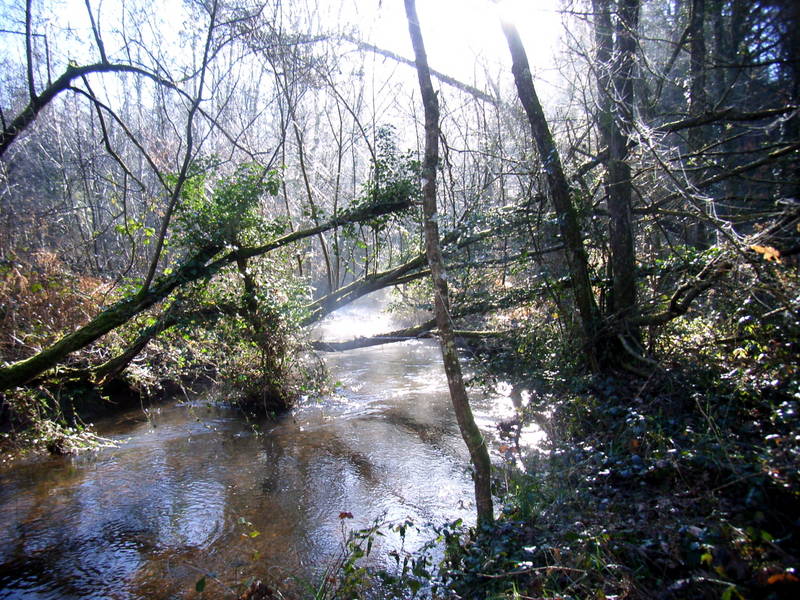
(531, 570)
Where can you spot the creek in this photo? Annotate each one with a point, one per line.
(192, 488)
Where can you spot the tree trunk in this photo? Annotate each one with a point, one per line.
(614, 67)
(697, 106)
(194, 269)
(560, 195)
(113, 367)
(458, 393)
(111, 318)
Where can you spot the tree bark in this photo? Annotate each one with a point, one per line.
(408, 271)
(469, 430)
(614, 67)
(560, 195)
(63, 83)
(398, 335)
(113, 367)
(697, 106)
(111, 318)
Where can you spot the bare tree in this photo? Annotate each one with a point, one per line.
(559, 192)
(458, 394)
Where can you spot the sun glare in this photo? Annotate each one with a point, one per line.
(464, 38)
(508, 11)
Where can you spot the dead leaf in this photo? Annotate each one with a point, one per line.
(782, 578)
(768, 252)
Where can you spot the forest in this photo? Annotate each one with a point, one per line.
(588, 210)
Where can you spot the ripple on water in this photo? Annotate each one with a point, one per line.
(186, 483)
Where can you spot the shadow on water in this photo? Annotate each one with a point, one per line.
(193, 489)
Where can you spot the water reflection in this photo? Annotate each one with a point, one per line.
(194, 488)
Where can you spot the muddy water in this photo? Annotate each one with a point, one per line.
(192, 489)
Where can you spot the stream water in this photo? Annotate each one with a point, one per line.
(193, 489)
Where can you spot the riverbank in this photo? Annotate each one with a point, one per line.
(670, 488)
(682, 485)
(57, 419)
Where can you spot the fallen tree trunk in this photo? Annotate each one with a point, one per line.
(371, 283)
(111, 318)
(113, 367)
(422, 330)
(417, 332)
(405, 273)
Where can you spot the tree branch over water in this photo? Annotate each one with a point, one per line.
(193, 269)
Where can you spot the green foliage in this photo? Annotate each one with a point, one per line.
(682, 483)
(394, 179)
(132, 227)
(534, 347)
(394, 174)
(222, 210)
(413, 574)
(252, 338)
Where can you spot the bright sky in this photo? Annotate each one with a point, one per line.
(463, 38)
(462, 35)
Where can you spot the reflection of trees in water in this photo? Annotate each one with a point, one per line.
(171, 497)
(68, 563)
(437, 435)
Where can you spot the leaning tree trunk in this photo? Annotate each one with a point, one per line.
(194, 269)
(120, 313)
(115, 366)
(559, 192)
(458, 393)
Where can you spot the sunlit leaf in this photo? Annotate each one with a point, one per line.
(739, 353)
(782, 578)
(768, 252)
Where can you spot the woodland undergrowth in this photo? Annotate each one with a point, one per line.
(41, 299)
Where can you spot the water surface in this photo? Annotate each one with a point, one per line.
(192, 488)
